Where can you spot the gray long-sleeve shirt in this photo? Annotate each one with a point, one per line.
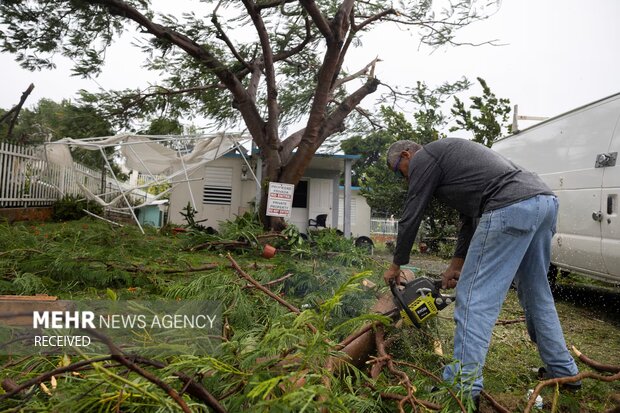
(466, 176)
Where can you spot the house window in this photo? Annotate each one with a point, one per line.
(300, 196)
(218, 186)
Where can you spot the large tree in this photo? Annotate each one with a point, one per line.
(266, 64)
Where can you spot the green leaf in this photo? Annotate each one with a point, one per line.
(111, 294)
(263, 388)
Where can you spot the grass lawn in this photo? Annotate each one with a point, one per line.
(89, 260)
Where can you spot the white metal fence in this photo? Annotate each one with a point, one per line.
(386, 226)
(26, 180)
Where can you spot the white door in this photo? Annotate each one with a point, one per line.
(571, 173)
(610, 221)
(320, 198)
(299, 212)
(563, 152)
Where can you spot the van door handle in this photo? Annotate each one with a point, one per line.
(612, 206)
(604, 160)
(597, 216)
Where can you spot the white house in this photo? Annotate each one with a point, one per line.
(225, 188)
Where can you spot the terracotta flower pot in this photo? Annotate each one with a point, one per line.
(269, 251)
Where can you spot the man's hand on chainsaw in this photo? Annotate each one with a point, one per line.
(451, 275)
(392, 273)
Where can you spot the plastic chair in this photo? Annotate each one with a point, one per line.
(320, 221)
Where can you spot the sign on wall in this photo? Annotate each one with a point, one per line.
(280, 199)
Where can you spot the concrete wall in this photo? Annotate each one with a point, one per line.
(242, 193)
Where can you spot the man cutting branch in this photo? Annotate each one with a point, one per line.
(516, 214)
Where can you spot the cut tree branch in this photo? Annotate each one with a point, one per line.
(48, 375)
(434, 377)
(270, 283)
(192, 387)
(14, 111)
(386, 359)
(118, 355)
(356, 75)
(256, 284)
(595, 364)
(267, 291)
(570, 379)
(498, 407)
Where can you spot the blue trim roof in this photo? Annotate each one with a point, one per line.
(341, 156)
(235, 154)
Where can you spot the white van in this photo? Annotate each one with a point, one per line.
(576, 155)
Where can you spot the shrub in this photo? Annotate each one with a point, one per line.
(71, 207)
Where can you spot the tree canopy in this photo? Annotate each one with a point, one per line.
(267, 65)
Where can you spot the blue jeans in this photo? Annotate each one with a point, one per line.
(510, 243)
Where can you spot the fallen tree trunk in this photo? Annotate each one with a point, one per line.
(360, 345)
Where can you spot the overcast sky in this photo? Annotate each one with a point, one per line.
(558, 55)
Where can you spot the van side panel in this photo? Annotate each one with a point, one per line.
(610, 211)
(563, 152)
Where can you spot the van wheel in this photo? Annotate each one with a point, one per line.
(365, 243)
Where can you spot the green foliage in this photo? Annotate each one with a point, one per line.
(244, 227)
(28, 284)
(164, 126)
(264, 78)
(429, 118)
(35, 32)
(491, 121)
(271, 361)
(71, 208)
(49, 120)
(384, 191)
(86, 253)
(293, 238)
(189, 215)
